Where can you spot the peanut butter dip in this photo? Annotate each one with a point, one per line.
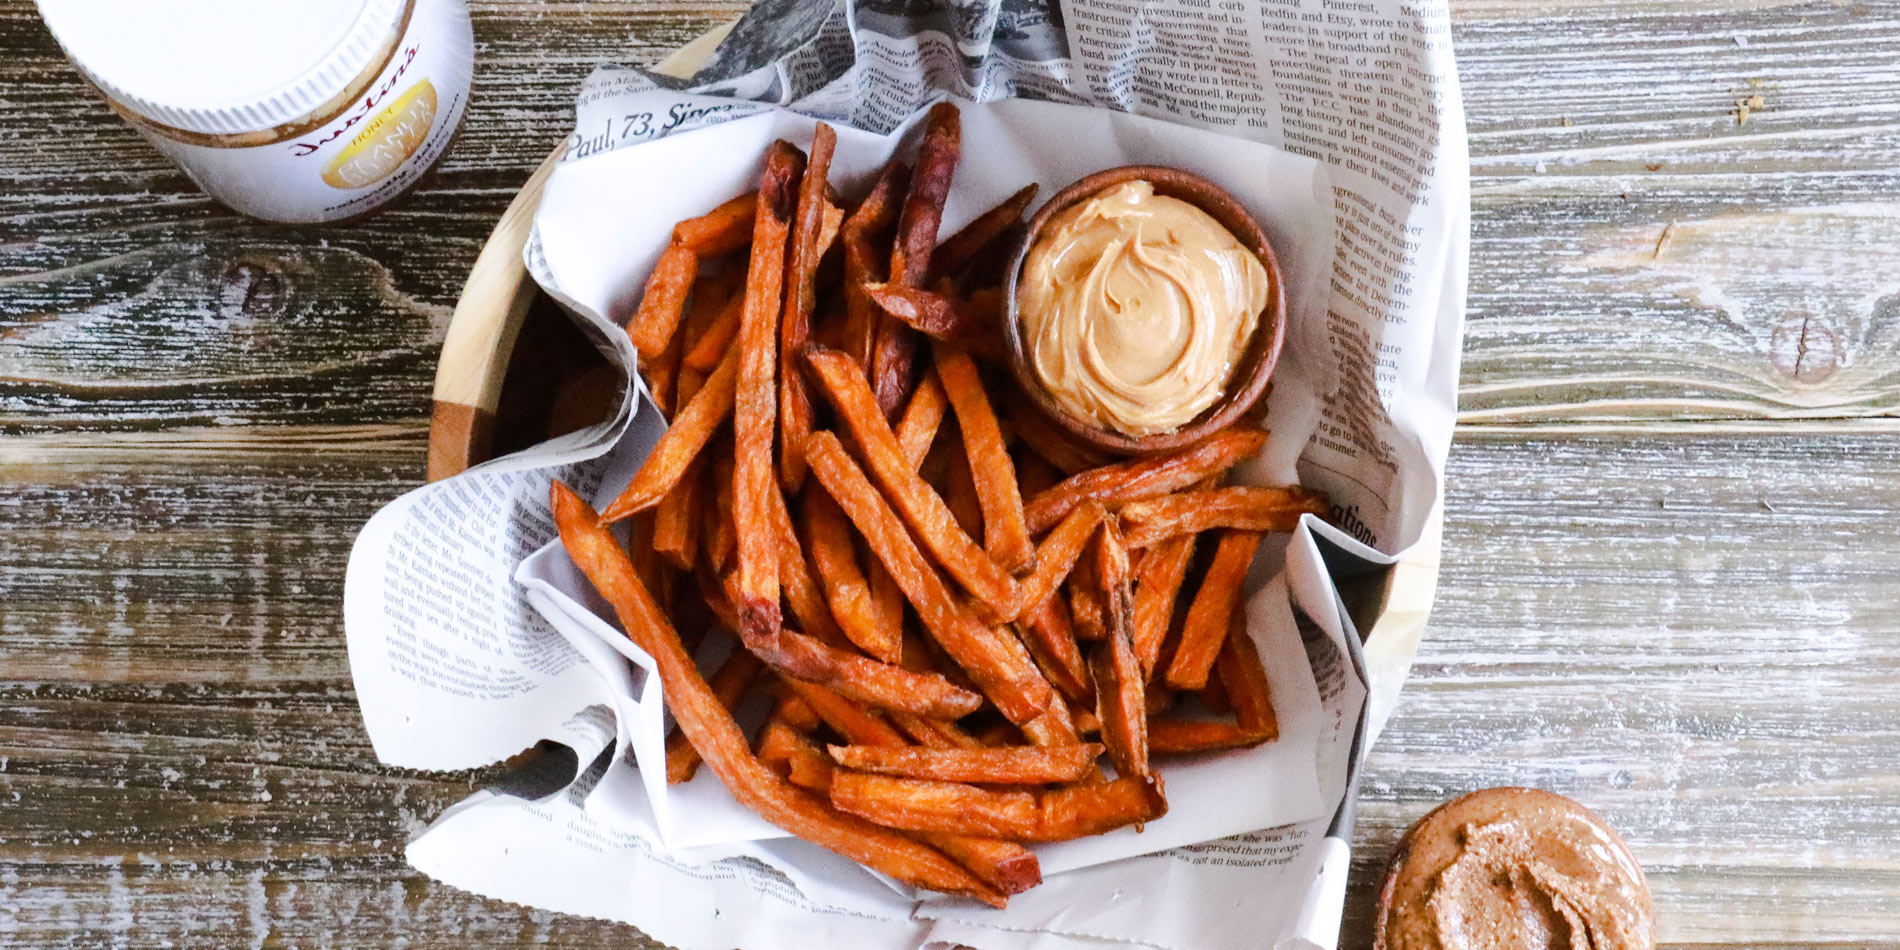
(1136, 308)
(1514, 869)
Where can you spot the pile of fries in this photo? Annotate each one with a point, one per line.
(835, 454)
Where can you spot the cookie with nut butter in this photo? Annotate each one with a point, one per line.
(1514, 869)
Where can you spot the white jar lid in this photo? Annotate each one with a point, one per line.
(222, 66)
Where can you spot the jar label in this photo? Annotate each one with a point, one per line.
(394, 135)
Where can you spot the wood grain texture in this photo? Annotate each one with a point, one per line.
(1669, 585)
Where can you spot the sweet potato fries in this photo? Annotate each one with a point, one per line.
(900, 568)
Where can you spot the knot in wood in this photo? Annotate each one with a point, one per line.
(252, 287)
(1805, 349)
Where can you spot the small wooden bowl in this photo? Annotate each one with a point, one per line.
(1250, 376)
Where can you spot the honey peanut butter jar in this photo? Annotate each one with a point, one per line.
(299, 112)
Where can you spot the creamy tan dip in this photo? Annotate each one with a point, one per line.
(1515, 868)
(1136, 307)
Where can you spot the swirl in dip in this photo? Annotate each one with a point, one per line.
(1136, 308)
(1514, 868)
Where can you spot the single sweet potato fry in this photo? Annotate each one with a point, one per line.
(793, 711)
(676, 520)
(730, 683)
(997, 663)
(923, 415)
(1182, 736)
(1120, 688)
(1209, 616)
(722, 537)
(1077, 811)
(1116, 485)
(711, 347)
(1245, 507)
(651, 328)
(985, 229)
(1088, 614)
(846, 590)
(1245, 681)
(964, 323)
(894, 349)
(850, 394)
(937, 157)
(959, 486)
(862, 263)
(1045, 630)
(801, 298)
(1057, 554)
(1157, 583)
(722, 230)
(755, 401)
(1005, 535)
(674, 453)
(713, 732)
(1058, 815)
(1009, 765)
(923, 805)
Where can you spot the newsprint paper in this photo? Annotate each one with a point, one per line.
(1336, 122)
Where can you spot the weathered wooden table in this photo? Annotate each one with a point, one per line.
(1672, 561)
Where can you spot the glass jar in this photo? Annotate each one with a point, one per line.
(298, 111)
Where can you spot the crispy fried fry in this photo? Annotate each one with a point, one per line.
(862, 263)
(1057, 554)
(845, 588)
(1163, 568)
(990, 226)
(1058, 815)
(959, 487)
(1116, 485)
(793, 711)
(975, 328)
(894, 349)
(1088, 614)
(651, 328)
(1120, 694)
(1182, 736)
(1245, 681)
(722, 230)
(675, 521)
(1010, 765)
(674, 453)
(998, 665)
(1208, 616)
(1005, 535)
(755, 408)
(801, 298)
(722, 538)
(923, 414)
(713, 732)
(729, 683)
(1045, 630)
(711, 347)
(1250, 508)
(850, 394)
(937, 157)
